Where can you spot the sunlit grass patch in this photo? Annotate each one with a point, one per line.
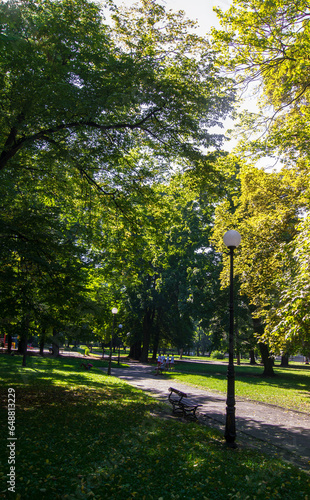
(288, 389)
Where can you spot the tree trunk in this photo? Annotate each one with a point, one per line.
(238, 357)
(55, 344)
(147, 324)
(55, 349)
(181, 353)
(9, 343)
(20, 348)
(22, 345)
(267, 360)
(155, 347)
(41, 352)
(24, 363)
(156, 334)
(284, 360)
(42, 342)
(135, 350)
(252, 357)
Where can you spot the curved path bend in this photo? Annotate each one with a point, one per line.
(268, 427)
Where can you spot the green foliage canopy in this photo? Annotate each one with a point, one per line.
(267, 42)
(266, 213)
(87, 96)
(122, 105)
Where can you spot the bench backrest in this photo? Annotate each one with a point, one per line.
(180, 393)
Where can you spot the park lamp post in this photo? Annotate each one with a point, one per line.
(232, 240)
(114, 312)
(119, 345)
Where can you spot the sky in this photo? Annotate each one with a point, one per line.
(200, 10)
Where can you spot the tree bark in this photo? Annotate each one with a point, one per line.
(267, 360)
(135, 350)
(20, 348)
(41, 352)
(284, 360)
(155, 345)
(55, 344)
(9, 343)
(24, 363)
(252, 357)
(42, 342)
(238, 357)
(147, 324)
(55, 349)
(25, 340)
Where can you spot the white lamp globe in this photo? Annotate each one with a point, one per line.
(232, 239)
(114, 310)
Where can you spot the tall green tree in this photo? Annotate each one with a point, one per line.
(79, 94)
(266, 214)
(266, 46)
(177, 282)
(43, 262)
(116, 106)
(288, 321)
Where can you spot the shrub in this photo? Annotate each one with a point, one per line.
(217, 355)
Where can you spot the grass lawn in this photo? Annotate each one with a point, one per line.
(290, 388)
(84, 435)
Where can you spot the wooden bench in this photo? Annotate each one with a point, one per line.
(181, 406)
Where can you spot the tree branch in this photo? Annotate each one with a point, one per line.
(12, 146)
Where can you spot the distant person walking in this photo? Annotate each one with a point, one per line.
(168, 362)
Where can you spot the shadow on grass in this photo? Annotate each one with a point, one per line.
(53, 371)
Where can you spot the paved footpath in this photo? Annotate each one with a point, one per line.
(264, 426)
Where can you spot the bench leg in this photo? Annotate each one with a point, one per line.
(177, 409)
(190, 413)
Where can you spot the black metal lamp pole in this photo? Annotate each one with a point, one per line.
(232, 240)
(114, 312)
(119, 346)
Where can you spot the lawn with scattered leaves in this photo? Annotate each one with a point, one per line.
(82, 434)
